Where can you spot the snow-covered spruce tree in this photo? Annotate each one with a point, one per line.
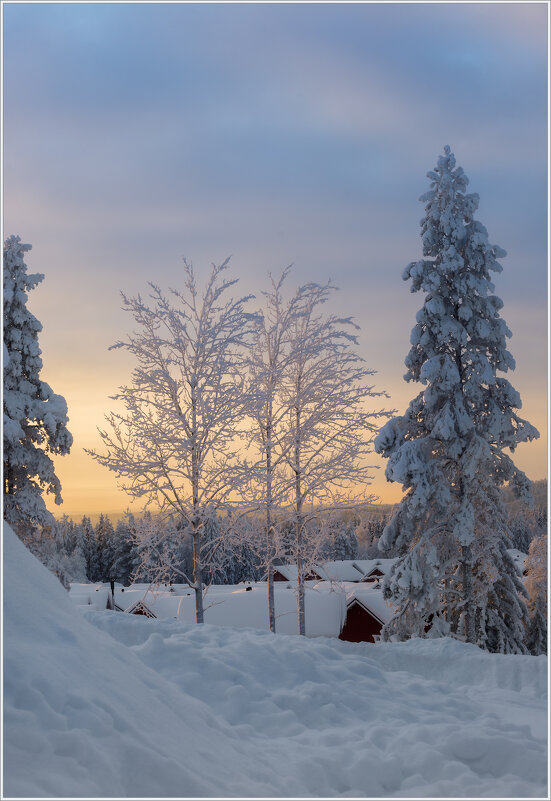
(329, 429)
(35, 419)
(105, 543)
(340, 541)
(175, 445)
(88, 545)
(368, 533)
(535, 567)
(448, 450)
(124, 552)
(526, 523)
(343, 542)
(56, 546)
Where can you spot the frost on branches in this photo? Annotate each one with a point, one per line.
(329, 431)
(174, 445)
(448, 449)
(35, 419)
(307, 394)
(270, 358)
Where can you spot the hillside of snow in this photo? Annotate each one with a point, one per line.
(107, 704)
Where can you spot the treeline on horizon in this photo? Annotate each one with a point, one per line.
(98, 552)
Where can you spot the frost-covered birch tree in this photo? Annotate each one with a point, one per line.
(35, 418)
(329, 429)
(450, 450)
(175, 446)
(270, 359)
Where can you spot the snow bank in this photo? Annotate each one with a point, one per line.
(164, 709)
(84, 716)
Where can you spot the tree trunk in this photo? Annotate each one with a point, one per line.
(270, 575)
(466, 553)
(196, 522)
(269, 527)
(300, 589)
(299, 533)
(197, 573)
(468, 608)
(271, 599)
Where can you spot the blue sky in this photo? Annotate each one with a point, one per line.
(136, 133)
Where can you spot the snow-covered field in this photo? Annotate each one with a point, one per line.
(107, 704)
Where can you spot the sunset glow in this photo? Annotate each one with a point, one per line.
(279, 134)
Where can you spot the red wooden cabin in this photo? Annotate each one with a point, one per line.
(361, 625)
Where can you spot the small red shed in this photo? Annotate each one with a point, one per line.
(140, 608)
(361, 625)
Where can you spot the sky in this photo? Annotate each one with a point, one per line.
(135, 134)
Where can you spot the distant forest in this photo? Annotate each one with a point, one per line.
(103, 550)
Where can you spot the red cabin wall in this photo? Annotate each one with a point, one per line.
(360, 625)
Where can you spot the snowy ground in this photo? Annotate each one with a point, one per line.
(103, 704)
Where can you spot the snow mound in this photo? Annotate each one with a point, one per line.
(108, 704)
(423, 718)
(85, 717)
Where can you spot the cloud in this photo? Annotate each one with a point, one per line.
(136, 133)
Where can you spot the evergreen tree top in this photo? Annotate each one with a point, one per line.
(460, 318)
(451, 235)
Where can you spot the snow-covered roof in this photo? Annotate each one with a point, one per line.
(83, 594)
(241, 608)
(106, 585)
(369, 565)
(372, 600)
(290, 573)
(340, 570)
(95, 595)
(143, 586)
(141, 605)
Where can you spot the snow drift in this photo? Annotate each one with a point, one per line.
(107, 704)
(84, 716)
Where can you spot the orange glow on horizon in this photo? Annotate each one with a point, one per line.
(90, 489)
